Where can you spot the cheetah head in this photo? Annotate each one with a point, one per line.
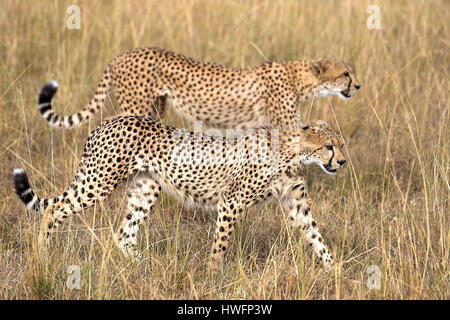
(322, 145)
(334, 79)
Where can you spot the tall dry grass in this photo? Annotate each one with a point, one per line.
(389, 208)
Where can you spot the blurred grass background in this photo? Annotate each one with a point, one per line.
(389, 208)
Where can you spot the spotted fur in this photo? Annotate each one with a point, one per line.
(223, 175)
(146, 80)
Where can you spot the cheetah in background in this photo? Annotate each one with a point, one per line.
(146, 80)
(223, 175)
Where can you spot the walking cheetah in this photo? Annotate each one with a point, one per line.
(221, 97)
(223, 175)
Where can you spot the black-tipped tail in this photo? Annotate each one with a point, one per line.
(46, 96)
(24, 191)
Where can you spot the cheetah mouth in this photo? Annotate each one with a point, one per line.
(329, 169)
(345, 94)
(325, 167)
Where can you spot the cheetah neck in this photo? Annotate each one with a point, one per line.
(291, 148)
(301, 79)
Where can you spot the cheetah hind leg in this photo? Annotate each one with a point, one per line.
(159, 107)
(142, 194)
(153, 106)
(228, 212)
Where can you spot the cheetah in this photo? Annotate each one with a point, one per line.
(147, 80)
(220, 174)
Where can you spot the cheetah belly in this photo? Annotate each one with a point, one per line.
(232, 111)
(210, 194)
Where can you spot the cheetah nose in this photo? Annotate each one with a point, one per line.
(357, 86)
(341, 162)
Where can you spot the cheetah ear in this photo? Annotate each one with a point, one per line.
(319, 67)
(322, 124)
(304, 126)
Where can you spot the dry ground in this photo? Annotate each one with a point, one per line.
(389, 208)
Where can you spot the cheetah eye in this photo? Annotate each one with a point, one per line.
(329, 147)
(342, 146)
(347, 74)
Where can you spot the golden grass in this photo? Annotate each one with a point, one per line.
(389, 208)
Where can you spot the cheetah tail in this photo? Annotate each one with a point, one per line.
(74, 120)
(25, 192)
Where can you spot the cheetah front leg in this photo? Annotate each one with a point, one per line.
(297, 203)
(228, 211)
(142, 195)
